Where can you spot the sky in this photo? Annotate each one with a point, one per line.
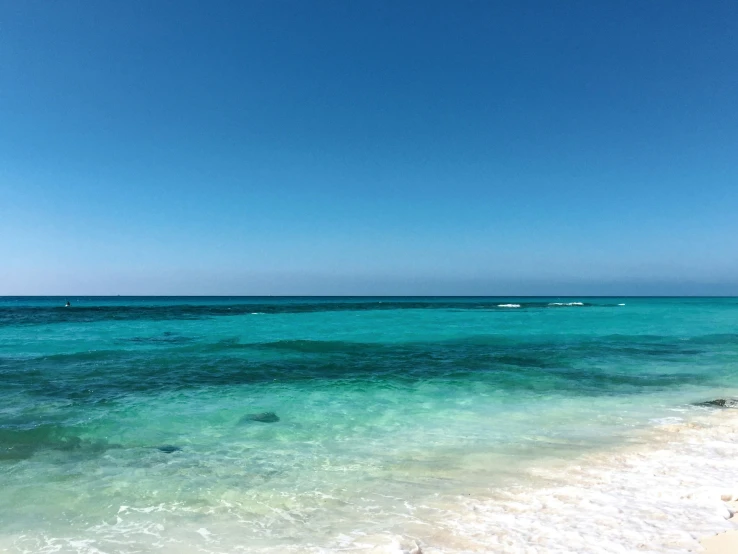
(371, 147)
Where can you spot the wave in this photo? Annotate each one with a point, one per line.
(566, 304)
(508, 305)
(165, 338)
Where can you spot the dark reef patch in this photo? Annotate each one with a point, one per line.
(263, 417)
(168, 448)
(719, 403)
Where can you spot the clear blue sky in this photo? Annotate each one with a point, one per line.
(368, 147)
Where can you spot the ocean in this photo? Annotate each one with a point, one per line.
(215, 425)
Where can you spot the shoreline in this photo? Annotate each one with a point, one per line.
(672, 490)
(676, 495)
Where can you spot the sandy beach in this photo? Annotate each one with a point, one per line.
(676, 494)
(723, 543)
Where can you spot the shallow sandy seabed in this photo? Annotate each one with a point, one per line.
(671, 488)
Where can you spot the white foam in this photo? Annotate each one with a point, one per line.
(508, 305)
(566, 304)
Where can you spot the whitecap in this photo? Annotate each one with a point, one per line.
(508, 305)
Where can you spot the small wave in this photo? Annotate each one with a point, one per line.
(508, 305)
(566, 304)
(673, 420)
(165, 338)
(621, 304)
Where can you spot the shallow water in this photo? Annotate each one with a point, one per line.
(391, 412)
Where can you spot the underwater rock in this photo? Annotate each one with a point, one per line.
(719, 403)
(168, 448)
(263, 417)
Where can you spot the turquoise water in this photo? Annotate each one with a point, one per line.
(386, 407)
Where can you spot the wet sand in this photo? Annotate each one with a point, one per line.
(723, 543)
